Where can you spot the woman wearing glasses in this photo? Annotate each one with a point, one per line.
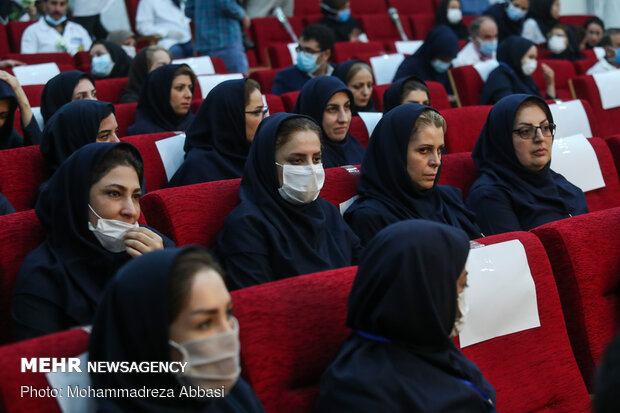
(219, 138)
(516, 189)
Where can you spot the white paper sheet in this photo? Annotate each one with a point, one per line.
(599, 52)
(385, 67)
(292, 50)
(81, 380)
(501, 293)
(408, 47)
(370, 120)
(608, 84)
(171, 153)
(485, 68)
(200, 65)
(35, 74)
(346, 204)
(575, 159)
(36, 112)
(210, 81)
(570, 118)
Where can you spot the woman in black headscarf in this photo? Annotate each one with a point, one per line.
(399, 176)
(358, 77)
(433, 59)
(517, 61)
(410, 89)
(281, 228)
(562, 43)
(165, 99)
(64, 88)
(155, 305)
(402, 310)
(218, 140)
(13, 96)
(74, 125)
(450, 13)
(328, 101)
(146, 60)
(90, 209)
(108, 60)
(509, 17)
(541, 17)
(516, 189)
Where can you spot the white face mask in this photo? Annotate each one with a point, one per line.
(459, 323)
(454, 15)
(110, 232)
(301, 184)
(529, 66)
(212, 362)
(130, 50)
(557, 44)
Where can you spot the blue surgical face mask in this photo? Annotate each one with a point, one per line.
(515, 13)
(55, 22)
(343, 15)
(306, 62)
(440, 66)
(101, 66)
(617, 58)
(488, 48)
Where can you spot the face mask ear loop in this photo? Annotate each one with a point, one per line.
(96, 214)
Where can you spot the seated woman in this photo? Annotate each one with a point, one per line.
(541, 17)
(516, 189)
(517, 61)
(562, 44)
(146, 60)
(594, 28)
(358, 77)
(328, 101)
(12, 96)
(90, 210)
(218, 140)
(337, 17)
(433, 59)
(64, 88)
(406, 302)
(410, 89)
(282, 228)
(449, 13)
(74, 125)
(165, 100)
(509, 17)
(108, 60)
(171, 306)
(399, 176)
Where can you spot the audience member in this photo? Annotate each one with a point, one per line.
(562, 44)
(166, 18)
(108, 60)
(337, 16)
(482, 45)
(611, 60)
(358, 77)
(64, 88)
(541, 18)
(12, 96)
(509, 17)
(410, 89)
(125, 39)
(264, 8)
(88, 14)
(146, 60)
(449, 13)
(594, 32)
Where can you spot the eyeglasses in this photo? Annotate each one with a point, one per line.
(529, 132)
(262, 112)
(299, 49)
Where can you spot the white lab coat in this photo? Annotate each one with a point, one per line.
(601, 67)
(163, 17)
(40, 37)
(532, 32)
(468, 56)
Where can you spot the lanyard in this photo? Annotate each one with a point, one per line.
(480, 392)
(372, 336)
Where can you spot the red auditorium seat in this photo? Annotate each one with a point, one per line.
(365, 7)
(344, 51)
(466, 84)
(154, 172)
(584, 252)
(279, 55)
(582, 66)
(33, 93)
(609, 196)
(458, 170)
(463, 127)
(563, 69)
(132, 8)
(4, 41)
(125, 116)
(22, 171)
(340, 184)
(405, 7)
(380, 28)
(82, 61)
(585, 88)
(264, 78)
(63, 60)
(289, 100)
(15, 31)
(613, 142)
(575, 19)
(218, 65)
(421, 24)
(109, 90)
(69, 343)
(377, 96)
(275, 103)
(267, 31)
(307, 7)
(21, 233)
(359, 131)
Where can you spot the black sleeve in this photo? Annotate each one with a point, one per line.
(34, 316)
(32, 133)
(365, 223)
(494, 212)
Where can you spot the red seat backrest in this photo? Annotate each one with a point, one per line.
(613, 142)
(413, 7)
(275, 103)
(607, 119)
(21, 233)
(287, 344)
(132, 8)
(82, 61)
(33, 93)
(564, 70)
(608, 196)
(359, 131)
(305, 7)
(575, 19)
(466, 84)
(463, 127)
(439, 96)
(340, 184)
(377, 95)
(279, 55)
(64, 61)
(267, 30)
(69, 343)
(289, 99)
(15, 31)
(109, 90)
(585, 255)
(218, 65)
(582, 66)
(539, 359)
(344, 51)
(380, 28)
(264, 78)
(125, 116)
(458, 170)
(22, 171)
(154, 172)
(421, 24)
(4, 41)
(361, 7)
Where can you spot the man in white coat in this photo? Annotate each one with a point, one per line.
(54, 33)
(482, 45)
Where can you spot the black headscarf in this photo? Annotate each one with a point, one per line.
(154, 112)
(297, 239)
(131, 324)
(59, 90)
(121, 60)
(540, 10)
(392, 96)
(505, 26)
(572, 51)
(312, 101)
(216, 147)
(138, 71)
(536, 197)
(386, 188)
(74, 125)
(341, 72)
(439, 43)
(402, 307)
(441, 17)
(9, 138)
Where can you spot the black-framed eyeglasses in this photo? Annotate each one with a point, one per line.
(529, 132)
(299, 49)
(262, 112)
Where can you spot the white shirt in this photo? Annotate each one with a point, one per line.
(469, 56)
(532, 32)
(162, 17)
(601, 67)
(83, 8)
(40, 37)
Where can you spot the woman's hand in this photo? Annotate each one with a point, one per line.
(549, 75)
(20, 95)
(142, 240)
